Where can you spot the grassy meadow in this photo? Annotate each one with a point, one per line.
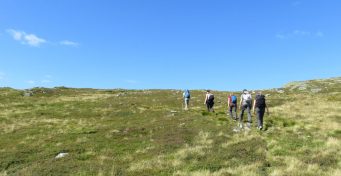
(146, 132)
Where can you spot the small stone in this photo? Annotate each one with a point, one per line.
(61, 155)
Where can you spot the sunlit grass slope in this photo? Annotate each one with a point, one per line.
(135, 132)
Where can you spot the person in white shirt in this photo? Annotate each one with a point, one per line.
(245, 104)
(187, 96)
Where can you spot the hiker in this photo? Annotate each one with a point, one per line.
(259, 107)
(245, 104)
(186, 95)
(209, 101)
(232, 105)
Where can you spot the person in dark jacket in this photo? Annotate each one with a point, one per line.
(209, 101)
(259, 107)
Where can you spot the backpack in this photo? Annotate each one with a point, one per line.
(260, 101)
(210, 98)
(247, 99)
(233, 99)
(187, 94)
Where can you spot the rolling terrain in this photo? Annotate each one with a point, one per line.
(146, 132)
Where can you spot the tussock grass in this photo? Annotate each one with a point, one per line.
(133, 132)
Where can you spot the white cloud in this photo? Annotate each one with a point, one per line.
(33, 40)
(23, 37)
(69, 43)
(17, 35)
(299, 33)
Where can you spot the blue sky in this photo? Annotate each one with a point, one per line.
(141, 44)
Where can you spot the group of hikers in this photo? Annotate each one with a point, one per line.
(258, 106)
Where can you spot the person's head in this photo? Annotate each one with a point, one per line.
(231, 93)
(259, 93)
(245, 91)
(208, 91)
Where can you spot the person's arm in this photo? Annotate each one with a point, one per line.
(206, 99)
(254, 105)
(228, 101)
(241, 100)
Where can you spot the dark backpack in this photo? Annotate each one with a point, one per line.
(187, 94)
(233, 99)
(260, 101)
(210, 98)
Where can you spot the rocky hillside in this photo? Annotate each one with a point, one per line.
(315, 86)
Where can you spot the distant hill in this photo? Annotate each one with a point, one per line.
(314, 86)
